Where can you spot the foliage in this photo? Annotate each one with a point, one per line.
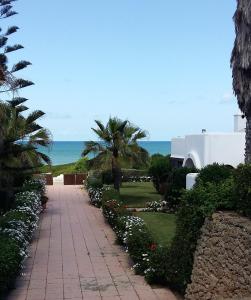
(10, 262)
(107, 177)
(128, 175)
(16, 229)
(34, 184)
(160, 168)
(93, 182)
(196, 205)
(20, 135)
(154, 206)
(214, 173)
(242, 184)
(118, 142)
(81, 165)
(176, 182)
(133, 233)
(58, 169)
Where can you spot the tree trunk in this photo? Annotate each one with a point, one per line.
(248, 141)
(116, 172)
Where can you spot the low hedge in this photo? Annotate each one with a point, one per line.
(10, 262)
(16, 229)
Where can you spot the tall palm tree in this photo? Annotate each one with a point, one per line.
(241, 66)
(20, 138)
(118, 140)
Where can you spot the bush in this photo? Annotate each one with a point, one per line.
(93, 182)
(196, 205)
(214, 173)
(10, 262)
(16, 229)
(34, 184)
(134, 175)
(107, 177)
(242, 182)
(112, 207)
(160, 169)
(176, 182)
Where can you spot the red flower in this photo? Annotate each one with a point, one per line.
(153, 247)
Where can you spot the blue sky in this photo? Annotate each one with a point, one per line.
(162, 64)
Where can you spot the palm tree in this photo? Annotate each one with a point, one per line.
(241, 66)
(20, 138)
(118, 141)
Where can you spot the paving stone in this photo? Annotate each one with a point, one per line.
(74, 256)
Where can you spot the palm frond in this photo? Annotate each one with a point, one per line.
(11, 30)
(16, 47)
(20, 65)
(32, 117)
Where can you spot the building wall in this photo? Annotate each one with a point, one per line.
(222, 263)
(208, 148)
(225, 149)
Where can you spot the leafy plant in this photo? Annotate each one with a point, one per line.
(176, 182)
(214, 173)
(160, 168)
(196, 205)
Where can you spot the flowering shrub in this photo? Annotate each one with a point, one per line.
(132, 232)
(95, 195)
(16, 229)
(137, 179)
(35, 184)
(157, 206)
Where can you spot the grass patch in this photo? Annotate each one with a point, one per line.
(136, 194)
(161, 225)
(59, 169)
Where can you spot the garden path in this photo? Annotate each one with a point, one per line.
(74, 256)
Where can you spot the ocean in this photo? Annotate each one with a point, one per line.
(68, 152)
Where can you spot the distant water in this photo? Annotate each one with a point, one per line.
(67, 152)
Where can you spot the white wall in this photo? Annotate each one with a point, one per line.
(226, 149)
(190, 180)
(178, 148)
(207, 148)
(239, 123)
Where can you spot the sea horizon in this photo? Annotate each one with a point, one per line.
(64, 152)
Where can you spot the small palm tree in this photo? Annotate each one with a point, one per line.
(118, 141)
(241, 66)
(20, 138)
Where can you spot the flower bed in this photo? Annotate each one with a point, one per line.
(16, 229)
(136, 239)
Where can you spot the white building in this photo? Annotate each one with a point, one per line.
(199, 150)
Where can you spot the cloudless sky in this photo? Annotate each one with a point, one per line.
(162, 64)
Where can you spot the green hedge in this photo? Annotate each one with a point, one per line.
(16, 228)
(176, 182)
(10, 262)
(197, 204)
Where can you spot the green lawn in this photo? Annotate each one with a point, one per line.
(136, 194)
(59, 169)
(162, 225)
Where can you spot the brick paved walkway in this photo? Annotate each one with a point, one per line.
(74, 256)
